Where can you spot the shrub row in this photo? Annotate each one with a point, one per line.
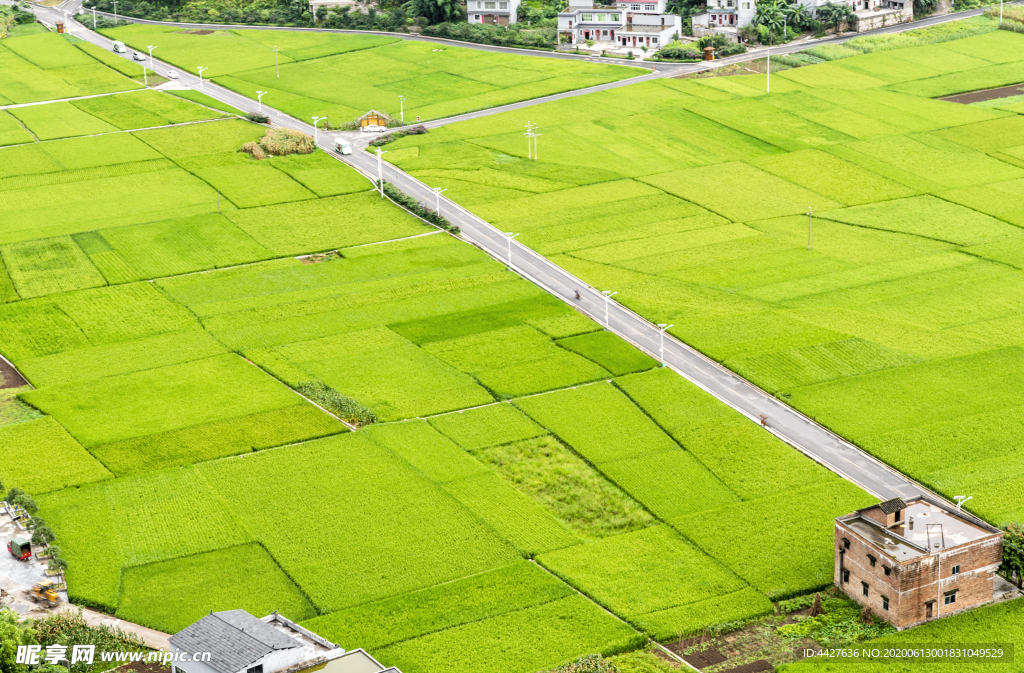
(395, 135)
(417, 208)
(338, 404)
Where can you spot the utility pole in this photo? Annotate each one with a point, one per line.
(438, 190)
(115, 14)
(201, 69)
(316, 120)
(510, 237)
(401, 106)
(662, 326)
(277, 67)
(94, 18)
(608, 294)
(809, 214)
(259, 99)
(380, 170)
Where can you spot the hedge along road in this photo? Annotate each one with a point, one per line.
(791, 426)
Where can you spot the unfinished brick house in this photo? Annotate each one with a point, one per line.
(911, 562)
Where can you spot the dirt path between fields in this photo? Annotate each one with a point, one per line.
(986, 94)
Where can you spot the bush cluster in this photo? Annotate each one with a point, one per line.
(275, 12)
(254, 149)
(340, 405)
(418, 208)
(541, 35)
(257, 118)
(280, 142)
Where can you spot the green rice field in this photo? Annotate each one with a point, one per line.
(532, 488)
(897, 328)
(342, 77)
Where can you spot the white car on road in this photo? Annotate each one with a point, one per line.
(137, 56)
(172, 74)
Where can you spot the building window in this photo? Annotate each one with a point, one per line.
(729, 3)
(864, 588)
(871, 560)
(489, 5)
(650, 8)
(885, 603)
(587, 17)
(613, 17)
(950, 598)
(255, 669)
(654, 40)
(888, 571)
(635, 8)
(846, 576)
(956, 570)
(476, 17)
(846, 543)
(502, 5)
(746, 5)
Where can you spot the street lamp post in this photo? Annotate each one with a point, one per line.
(380, 170)
(145, 80)
(608, 294)
(151, 48)
(809, 213)
(510, 236)
(115, 13)
(259, 99)
(201, 69)
(277, 67)
(438, 190)
(401, 107)
(529, 140)
(662, 326)
(94, 18)
(316, 120)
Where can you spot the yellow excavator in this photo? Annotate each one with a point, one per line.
(44, 592)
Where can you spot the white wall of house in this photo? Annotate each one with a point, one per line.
(499, 12)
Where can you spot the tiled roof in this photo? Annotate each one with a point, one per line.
(235, 639)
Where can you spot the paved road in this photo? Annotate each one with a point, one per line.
(788, 424)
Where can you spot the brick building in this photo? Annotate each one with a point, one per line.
(911, 562)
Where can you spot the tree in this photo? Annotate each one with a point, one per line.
(12, 634)
(1013, 554)
(437, 11)
(834, 15)
(42, 536)
(771, 17)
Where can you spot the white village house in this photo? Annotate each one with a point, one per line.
(622, 25)
(234, 641)
(496, 12)
(726, 16)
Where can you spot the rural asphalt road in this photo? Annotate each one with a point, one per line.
(791, 426)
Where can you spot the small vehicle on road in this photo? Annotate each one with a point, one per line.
(172, 74)
(343, 147)
(119, 47)
(44, 592)
(20, 548)
(137, 56)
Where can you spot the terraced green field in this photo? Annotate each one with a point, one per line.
(897, 328)
(149, 376)
(533, 489)
(342, 77)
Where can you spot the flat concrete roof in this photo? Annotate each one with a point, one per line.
(917, 533)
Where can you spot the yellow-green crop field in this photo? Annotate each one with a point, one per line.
(899, 328)
(533, 489)
(342, 77)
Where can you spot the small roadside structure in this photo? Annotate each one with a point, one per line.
(915, 561)
(373, 122)
(238, 642)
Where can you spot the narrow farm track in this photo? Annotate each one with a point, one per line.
(815, 441)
